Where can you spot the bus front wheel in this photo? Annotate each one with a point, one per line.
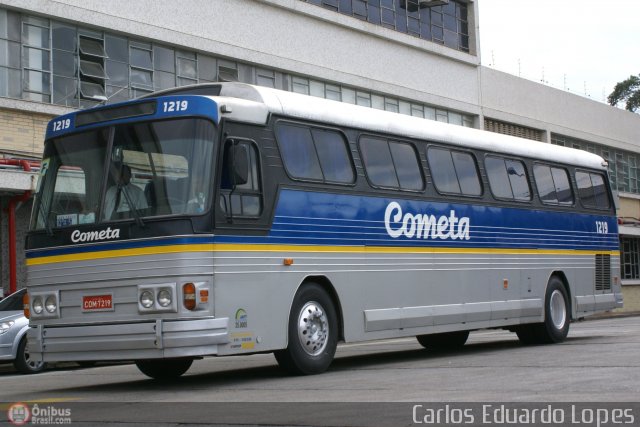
(164, 369)
(312, 331)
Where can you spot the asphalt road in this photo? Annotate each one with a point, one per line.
(599, 362)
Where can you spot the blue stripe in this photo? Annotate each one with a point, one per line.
(313, 218)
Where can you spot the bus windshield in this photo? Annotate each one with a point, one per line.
(124, 172)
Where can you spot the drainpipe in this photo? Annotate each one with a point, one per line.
(13, 203)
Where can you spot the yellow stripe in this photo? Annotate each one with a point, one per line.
(232, 247)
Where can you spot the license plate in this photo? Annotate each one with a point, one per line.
(97, 302)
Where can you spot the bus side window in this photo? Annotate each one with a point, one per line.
(553, 185)
(241, 195)
(454, 172)
(507, 178)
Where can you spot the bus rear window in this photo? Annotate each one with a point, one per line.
(592, 190)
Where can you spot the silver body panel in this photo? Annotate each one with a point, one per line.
(381, 295)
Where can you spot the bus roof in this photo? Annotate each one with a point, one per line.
(337, 113)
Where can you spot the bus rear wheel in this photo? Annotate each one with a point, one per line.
(555, 327)
(312, 331)
(164, 369)
(444, 341)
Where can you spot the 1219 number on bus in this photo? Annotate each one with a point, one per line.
(602, 227)
(173, 106)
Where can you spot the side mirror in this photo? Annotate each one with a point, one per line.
(238, 159)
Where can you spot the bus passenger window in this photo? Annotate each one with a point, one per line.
(454, 172)
(553, 185)
(391, 164)
(315, 154)
(507, 178)
(592, 190)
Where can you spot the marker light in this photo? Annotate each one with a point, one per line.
(146, 299)
(164, 298)
(189, 296)
(50, 304)
(25, 305)
(37, 305)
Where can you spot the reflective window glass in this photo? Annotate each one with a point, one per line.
(207, 68)
(64, 63)
(36, 81)
(298, 152)
(405, 161)
(64, 37)
(92, 47)
(117, 48)
(9, 54)
(35, 58)
(35, 36)
(164, 59)
(141, 58)
(378, 162)
(333, 155)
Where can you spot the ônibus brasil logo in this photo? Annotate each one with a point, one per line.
(19, 414)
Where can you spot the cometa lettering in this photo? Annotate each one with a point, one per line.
(92, 236)
(425, 226)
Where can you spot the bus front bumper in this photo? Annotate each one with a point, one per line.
(128, 341)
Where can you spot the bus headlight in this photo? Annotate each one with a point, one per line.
(43, 304)
(164, 298)
(50, 304)
(158, 298)
(146, 299)
(37, 305)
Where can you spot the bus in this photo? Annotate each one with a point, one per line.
(228, 219)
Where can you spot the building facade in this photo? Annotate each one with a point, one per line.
(414, 57)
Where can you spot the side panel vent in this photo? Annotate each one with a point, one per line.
(603, 272)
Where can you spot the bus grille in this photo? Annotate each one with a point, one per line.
(603, 272)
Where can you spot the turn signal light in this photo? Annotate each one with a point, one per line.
(25, 305)
(189, 296)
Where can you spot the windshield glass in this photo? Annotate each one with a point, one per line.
(129, 171)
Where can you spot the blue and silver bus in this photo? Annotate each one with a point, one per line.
(228, 219)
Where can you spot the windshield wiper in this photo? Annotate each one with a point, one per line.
(132, 207)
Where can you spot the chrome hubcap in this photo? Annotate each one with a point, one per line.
(558, 309)
(313, 328)
(34, 365)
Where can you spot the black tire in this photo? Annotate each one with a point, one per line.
(164, 369)
(444, 341)
(312, 332)
(23, 363)
(557, 317)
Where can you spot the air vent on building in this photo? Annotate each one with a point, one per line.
(91, 69)
(603, 272)
(512, 129)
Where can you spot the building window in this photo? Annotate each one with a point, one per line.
(447, 25)
(36, 51)
(630, 247)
